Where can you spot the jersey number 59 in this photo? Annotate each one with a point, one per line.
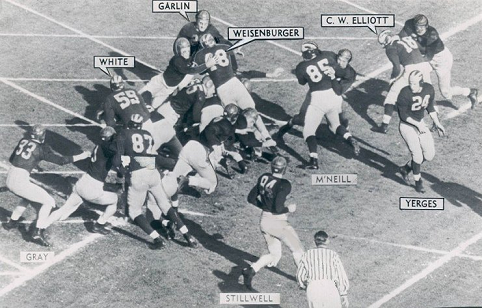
(126, 98)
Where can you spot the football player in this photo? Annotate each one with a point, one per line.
(405, 57)
(228, 87)
(317, 70)
(345, 75)
(90, 187)
(440, 57)
(270, 194)
(194, 30)
(178, 73)
(124, 102)
(138, 145)
(166, 212)
(29, 152)
(412, 102)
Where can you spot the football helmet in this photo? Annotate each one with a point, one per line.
(107, 133)
(208, 84)
(251, 116)
(279, 165)
(203, 15)
(309, 50)
(415, 81)
(117, 83)
(207, 40)
(321, 237)
(231, 112)
(182, 47)
(345, 54)
(421, 24)
(136, 121)
(385, 37)
(38, 133)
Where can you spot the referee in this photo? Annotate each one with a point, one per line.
(322, 274)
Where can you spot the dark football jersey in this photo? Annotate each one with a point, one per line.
(344, 77)
(134, 143)
(178, 68)
(403, 52)
(270, 194)
(217, 132)
(186, 98)
(101, 160)
(29, 153)
(312, 71)
(413, 105)
(429, 43)
(224, 70)
(193, 34)
(122, 105)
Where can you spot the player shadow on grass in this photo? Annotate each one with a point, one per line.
(214, 243)
(455, 193)
(142, 71)
(366, 94)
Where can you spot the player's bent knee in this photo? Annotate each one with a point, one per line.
(417, 158)
(428, 156)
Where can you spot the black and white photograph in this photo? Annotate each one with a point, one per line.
(207, 153)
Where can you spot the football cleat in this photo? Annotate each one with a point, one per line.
(10, 224)
(404, 172)
(473, 96)
(248, 274)
(243, 167)
(98, 228)
(313, 165)
(38, 237)
(191, 241)
(354, 145)
(419, 186)
(158, 243)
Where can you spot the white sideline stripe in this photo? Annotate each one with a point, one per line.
(94, 36)
(46, 101)
(428, 270)
(13, 264)
(40, 269)
(193, 213)
(49, 125)
(51, 172)
(87, 36)
(127, 80)
(411, 247)
(366, 10)
(348, 38)
(71, 221)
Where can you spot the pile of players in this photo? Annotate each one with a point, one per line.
(186, 123)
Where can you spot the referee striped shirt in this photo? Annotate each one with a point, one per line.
(322, 263)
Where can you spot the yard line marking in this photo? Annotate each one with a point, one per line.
(51, 172)
(87, 36)
(411, 247)
(428, 270)
(70, 221)
(183, 211)
(127, 80)
(366, 10)
(46, 101)
(49, 125)
(57, 259)
(13, 264)
(271, 42)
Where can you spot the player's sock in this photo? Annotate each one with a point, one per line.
(173, 216)
(416, 171)
(387, 114)
(408, 166)
(460, 91)
(141, 221)
(312, 145)
(17, 212)
(183, 230)
(341, 131)
(101, 220)
(154, 234)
